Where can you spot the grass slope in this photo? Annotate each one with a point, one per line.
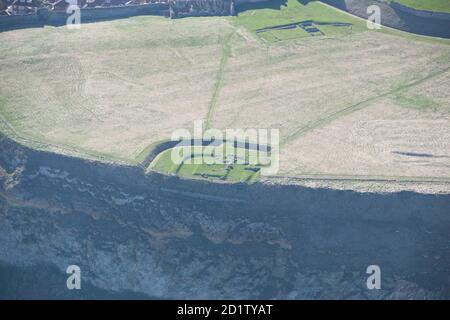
(293, 11)
(430, 5)
(234, 172)
(111, 90)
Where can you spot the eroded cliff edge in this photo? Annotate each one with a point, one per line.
(161, 236)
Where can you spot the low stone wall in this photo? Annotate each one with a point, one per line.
(195, 8)
(25, 21)
(87, 15)
(95, 14)
(237, 2)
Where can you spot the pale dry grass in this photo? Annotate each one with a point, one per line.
(109, 88)
(292, 85)
(352, 105)
(382, 140)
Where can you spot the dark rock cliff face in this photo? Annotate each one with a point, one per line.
(150, 235)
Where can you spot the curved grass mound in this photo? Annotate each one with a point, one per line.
(233, 165)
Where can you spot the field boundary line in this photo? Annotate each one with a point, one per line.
(8, 130)
(356, 107)
(226, 50)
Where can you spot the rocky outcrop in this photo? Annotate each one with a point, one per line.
(161, 236)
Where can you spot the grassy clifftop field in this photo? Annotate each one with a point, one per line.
(430, 5)
(348, 101)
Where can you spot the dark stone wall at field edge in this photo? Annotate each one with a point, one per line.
(86, 15)
(160, 236)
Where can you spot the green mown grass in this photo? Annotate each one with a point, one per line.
(73, 92)
(233, 173)
(417, 101)
(294, 11)
(430, 5)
